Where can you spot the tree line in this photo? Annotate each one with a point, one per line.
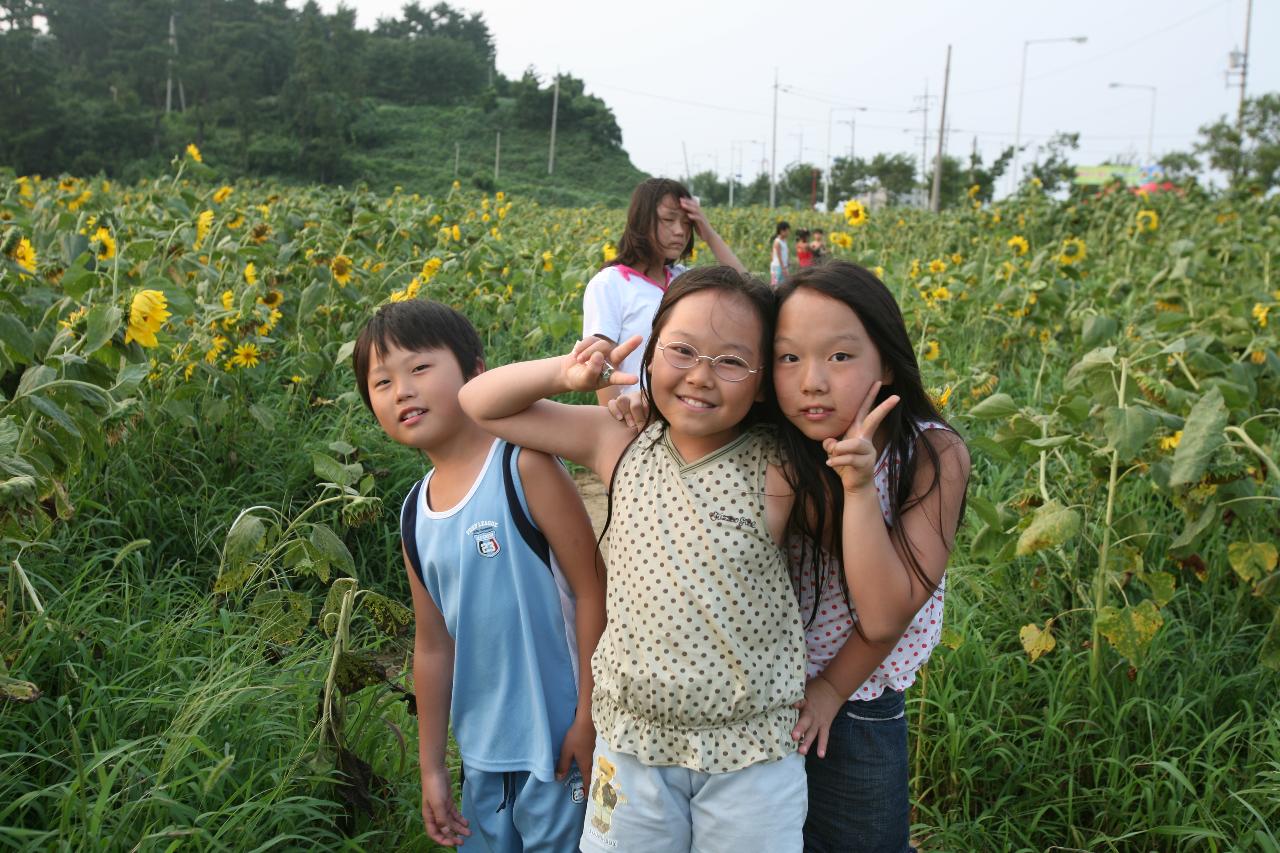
(119, 86)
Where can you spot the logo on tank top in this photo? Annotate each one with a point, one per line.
(738, 521)
(486, 535)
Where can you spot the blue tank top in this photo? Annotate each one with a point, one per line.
(510, 612)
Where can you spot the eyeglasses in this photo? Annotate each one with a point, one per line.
(730, 368)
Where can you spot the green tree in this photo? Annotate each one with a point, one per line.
(1053, 167)
(1251, 158)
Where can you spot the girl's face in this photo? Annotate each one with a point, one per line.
(671, 231)
(703, 409)
(823, 364)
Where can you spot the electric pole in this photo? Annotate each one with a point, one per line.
(497, 157)
(935, 199)
(773, 158)
(1244, 70)
(555, 109)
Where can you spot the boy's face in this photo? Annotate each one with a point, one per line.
(414, 394)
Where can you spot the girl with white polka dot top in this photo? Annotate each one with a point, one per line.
(879, 480)
(701, 668)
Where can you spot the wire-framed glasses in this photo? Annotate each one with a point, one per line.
(730, 368)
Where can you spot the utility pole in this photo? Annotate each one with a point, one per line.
(935, 199)
(555, 109)
(457, 155)
(497, 157)
(924, 132)
(1022, 88)
(684, 146)
(773, 159)
(1244, 71)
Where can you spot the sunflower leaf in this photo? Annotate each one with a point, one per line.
(285, 614)
(332, 549)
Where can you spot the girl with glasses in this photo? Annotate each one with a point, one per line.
(701, 665)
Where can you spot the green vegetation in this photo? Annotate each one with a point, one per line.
(201, 609)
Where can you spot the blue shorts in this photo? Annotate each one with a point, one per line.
(514, 812)
(858, 797)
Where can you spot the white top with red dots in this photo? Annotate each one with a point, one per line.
(834, 620)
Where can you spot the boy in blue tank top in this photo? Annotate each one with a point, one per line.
(508, 596)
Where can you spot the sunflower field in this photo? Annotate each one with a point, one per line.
(204, 638)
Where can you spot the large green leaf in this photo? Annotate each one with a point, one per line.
(243, 541)
(1128, 429)
(285, 614)
(15, 335)
(998, 405)
(332, 549)
(1252, 560)
(1130, 629)
(390, 617)
(101, 324)
(1201, 437)
(1052, 525)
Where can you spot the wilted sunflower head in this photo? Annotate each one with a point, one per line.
(273, 298)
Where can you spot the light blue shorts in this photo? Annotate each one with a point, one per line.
(516, 813)
(636, 808)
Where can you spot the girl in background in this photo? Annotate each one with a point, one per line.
(621, 299)
(778, 254)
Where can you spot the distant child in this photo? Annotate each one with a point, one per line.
(804, 255)
(701, 664)
(621, 299)
(778, 254)
(880, 482)
(507, 599)
(818, 245)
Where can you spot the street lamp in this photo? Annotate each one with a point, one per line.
(826, 187)
(1022, 86)
(1151, 125)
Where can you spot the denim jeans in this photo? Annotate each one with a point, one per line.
(858, 799)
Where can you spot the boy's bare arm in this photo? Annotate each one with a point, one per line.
(558, 512)
(433, 691)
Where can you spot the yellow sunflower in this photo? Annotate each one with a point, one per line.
(222, 194)
(932, 351)
(1073, 251)
(609, 252)
(204, 222)
(250, 273)
(937, 266)
(272, 299)
(855, 214)
(194, 153)
(1148, 220)
(246, 355)
(106, 244)
(146, 316)
(1019, 244)
(24, 255)
(341, 268)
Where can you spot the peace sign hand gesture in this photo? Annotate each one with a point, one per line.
(591, 364)
(854, 456)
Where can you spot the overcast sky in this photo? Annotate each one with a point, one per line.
(698, 76)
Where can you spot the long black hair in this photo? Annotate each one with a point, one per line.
(636, 246)
(819, 504)
(729, 282)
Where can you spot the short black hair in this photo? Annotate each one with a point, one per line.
(819, 231)
(416, 324)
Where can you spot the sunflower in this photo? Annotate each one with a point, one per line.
(246, 355)
(1171, 442)
(914, 272)
(1148, 220)
(24, 255)
(272, 299)
(879, 272)
(547, 265)
(146, 315)
(222, 194)
(236, 223)
(341, 268)
(250, 273)
(1260, 313)
(1073, 251)
(609, 252)
(937, 266)
(855, 214)
(194, 153)
(974, 190)
(430, 267)
(215, 349)
(204, 222)
(260, 233)
(957, 258)
(457, 232)
(1019, 245)
(841, 239)
(932, 351)
(228, 300)
(106, 245)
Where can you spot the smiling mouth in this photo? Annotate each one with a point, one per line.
(815, 413)
(411, 414)
(695, 403)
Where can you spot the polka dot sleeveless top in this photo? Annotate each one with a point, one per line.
(703, 654)
(834, 621)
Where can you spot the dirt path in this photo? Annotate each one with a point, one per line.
(593, 495)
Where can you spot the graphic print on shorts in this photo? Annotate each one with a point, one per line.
(606, 795)
(486, 535)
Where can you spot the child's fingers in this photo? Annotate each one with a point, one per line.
(620, 378)
(566, 758)
(872, 421)
(824, 735)
(864, 408)
(624, 349)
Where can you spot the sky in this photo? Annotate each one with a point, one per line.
(692, 83)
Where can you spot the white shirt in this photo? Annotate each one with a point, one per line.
(620, 302)
(834, 622)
